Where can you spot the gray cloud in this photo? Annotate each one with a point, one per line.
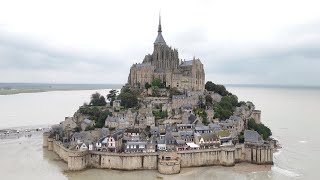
(292, 58)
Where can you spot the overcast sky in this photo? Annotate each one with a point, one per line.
(239, 42)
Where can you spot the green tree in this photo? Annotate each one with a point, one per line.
(217, 88)
(97, 100)
(156, 82)
(155, 91)
(241, 137)
(147, 85)
(260, 128)
(209, 100)
(225, 108)
(112, 96)
(160, 114)
(89, 128)
(129, 98)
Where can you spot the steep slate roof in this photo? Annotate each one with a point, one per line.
(169, 139)
(214, 126)
(132, 130)
(180, 141)
(192, 118)
(159, 39)
(202, 128)
(251, 136)
(186, 106)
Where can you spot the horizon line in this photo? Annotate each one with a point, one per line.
(232, 85)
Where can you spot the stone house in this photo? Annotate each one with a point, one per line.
(150, 119)
(181, 145)
(225, 138)
(82, 147)
(184, 127)
(207, 141)
(167, 107)
(252, 137)
(185, 117)
(187, 136)
(170, 142)
(111, 122)
(114, 142)
(132, 133)
(161, 145)
(85, 137)
(69, 123)
(162, 130)
(86, 123)
(155, 131)
(234, 124)
(131, 117)
(215, 127)
(202, 129)
(135, 147)
(151, 147)
(76, 138)
(123, 123)
(210, 114)
(116, 105)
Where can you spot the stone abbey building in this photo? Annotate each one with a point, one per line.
(164, 64)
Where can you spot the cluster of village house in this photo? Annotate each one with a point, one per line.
(136, 131)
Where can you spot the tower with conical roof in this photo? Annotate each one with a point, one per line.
(163, 56)
(160, 40)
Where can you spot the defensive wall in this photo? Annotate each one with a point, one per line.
(164, 162)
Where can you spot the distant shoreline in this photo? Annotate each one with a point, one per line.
(18, 88)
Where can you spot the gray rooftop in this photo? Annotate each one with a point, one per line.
(202, 128)
(251, 136)
(186, 63)
(87, 121)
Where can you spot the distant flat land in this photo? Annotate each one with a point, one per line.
(17, 88)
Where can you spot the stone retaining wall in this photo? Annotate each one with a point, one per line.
(165, 162)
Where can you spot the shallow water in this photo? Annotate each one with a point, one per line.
(290, 113)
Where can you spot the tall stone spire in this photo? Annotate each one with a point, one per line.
(159, 28)
(159, 39)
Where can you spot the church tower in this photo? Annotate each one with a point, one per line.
(159, 40)
(163, 56)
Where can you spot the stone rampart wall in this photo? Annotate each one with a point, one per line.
(123, 161)
(226, 156)
(207, 157)
(259, 154)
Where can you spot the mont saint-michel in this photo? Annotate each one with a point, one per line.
(166, 117)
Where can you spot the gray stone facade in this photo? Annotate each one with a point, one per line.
(164, 64)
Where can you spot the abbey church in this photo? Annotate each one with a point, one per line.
(164, 63)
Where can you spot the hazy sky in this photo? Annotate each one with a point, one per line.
(239, 42)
